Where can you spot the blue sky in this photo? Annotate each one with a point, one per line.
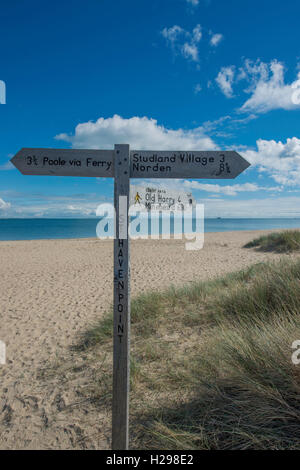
(159, 74)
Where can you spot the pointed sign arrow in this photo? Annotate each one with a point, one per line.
(167, 164)
(65, 162)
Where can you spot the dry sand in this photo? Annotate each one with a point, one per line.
(53, 290)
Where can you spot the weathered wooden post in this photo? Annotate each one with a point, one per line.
(121, 336)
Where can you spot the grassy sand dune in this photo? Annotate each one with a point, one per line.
(281, 242)
(211, 363)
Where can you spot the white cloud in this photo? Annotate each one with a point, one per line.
(280, 161)
(211, 188)
(228, 190)
(140, 132)
(190, 51)
(197, 88)
(267, 86)
(224, 126)
(216, 39)
(277, 160)
(171, 34)
(225, 80)
(283, 206)
(193, 2)
(216, 205)
(51, 207)
(4, 205)
(82, 210)
(7, 166)
(269, 90)
(197, 34)
(268, 207)
(184, 42)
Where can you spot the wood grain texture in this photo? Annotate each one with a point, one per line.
(186, 164)
(121, 347)
(143, 163)
(65, 162)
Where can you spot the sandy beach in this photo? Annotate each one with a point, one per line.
(53, 290)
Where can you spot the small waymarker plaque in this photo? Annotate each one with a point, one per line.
(160, 198)
(65, 162)
(123, 165)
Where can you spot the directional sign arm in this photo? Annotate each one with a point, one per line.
(64, 162)
(143, 164)
(183, 164)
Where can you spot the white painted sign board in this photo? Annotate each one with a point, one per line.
(160, 198)
(122, 164)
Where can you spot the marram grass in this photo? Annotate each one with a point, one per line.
(280, 242)
(211, 362)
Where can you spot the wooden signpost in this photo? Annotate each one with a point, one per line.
(123, 164)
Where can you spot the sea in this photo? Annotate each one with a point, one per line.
(38, 229)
